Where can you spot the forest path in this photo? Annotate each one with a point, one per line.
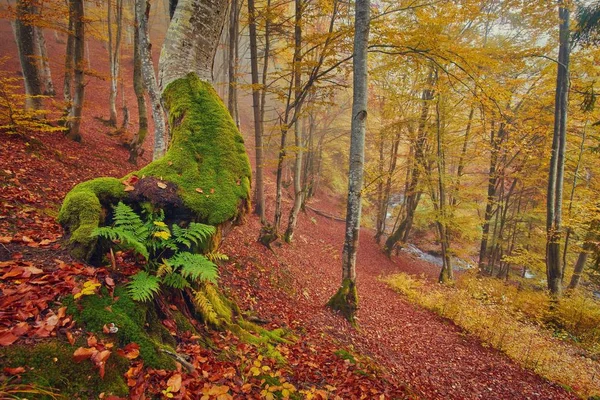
(415, 346)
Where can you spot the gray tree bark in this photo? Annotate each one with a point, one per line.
(259, 197)
(26, 45)
(232, 100)
(346, 298)
(142, 11)
(42, 55)
(554, 266)
(135, 146)
(190, 42)
(76, 14)
(114, 56)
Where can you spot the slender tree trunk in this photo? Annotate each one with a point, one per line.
(76, 12)
(259, 199)
(68, 78)
(387, 188)
(42, 54)
(135, 146)
(114, 55)
(580, 264)
(142, 11)
(233, 61)
(346, 299)
(554, 266)
(26, 45)
(298, 141)
(495, 141)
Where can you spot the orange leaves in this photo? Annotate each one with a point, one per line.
(98, 353)
(130, 183)
(131, 351)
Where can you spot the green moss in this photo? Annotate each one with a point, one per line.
(50, 364)
(345, 355)
(81, 212)
(182, 323)
(345, 300)
(206, 160)
(137, 323)
(207, 152)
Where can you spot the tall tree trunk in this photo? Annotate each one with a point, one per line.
(554, 266)
(68, 77)
(135, 146)
(298, 141)
(232, 99)
(259, 199)
(387, 188)
(142, 11)
(26, 45)
(346, 298)
(580, 264)
(76, 13)
(495, 141)
(114, 56)
(42, 55)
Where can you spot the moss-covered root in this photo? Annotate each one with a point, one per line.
(82, 211)
(345, 301)
(204, 176)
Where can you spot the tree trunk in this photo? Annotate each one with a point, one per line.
(76, 13)
(580, 265)
(142, 11)
(68, 78)
(26, 45)
(298, 141)
(42, 54)
(135, 146)
(346, 299)
(232, 100)
(114, 56)
(259, 199)
(554, 266)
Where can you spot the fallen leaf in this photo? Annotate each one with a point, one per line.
(174, 383)
(7, 338)
(199, 190)
(5, 239)
(161, 185)
(83, 353)
(70, 338)
(13, 371)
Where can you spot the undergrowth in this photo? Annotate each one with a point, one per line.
(538, 333)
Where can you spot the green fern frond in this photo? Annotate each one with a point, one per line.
(176, 281)
(128, 221)
(206, 309)
(215, 256)
(194, 266)
(194, 234)
(143, 287)
(126, 239)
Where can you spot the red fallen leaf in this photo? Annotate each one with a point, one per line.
(131, 351)
(70, 338)
(20, 329)
(13, 371)
(52, 320)
(174, 383)
(26, 239)
(131, 181)
(109, 281)
(100, 356)
(83, 353)
(13, 272)
(7, 338)
(92, 341)
(46, 242)
(5, 239)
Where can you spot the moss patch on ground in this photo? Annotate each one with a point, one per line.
(136, 322)
(50, 365)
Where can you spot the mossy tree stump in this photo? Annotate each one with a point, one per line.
(204, 176)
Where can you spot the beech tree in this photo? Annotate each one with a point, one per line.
(77, 23)
(346, 298)
(25, 36)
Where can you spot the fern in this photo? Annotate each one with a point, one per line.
(175, 281)
(194, 234)
(205, 308)
(127, 239)
(127, 220)
(194, 266)
(143, 287)
(215, 256)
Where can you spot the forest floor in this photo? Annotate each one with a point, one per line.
(398, 350)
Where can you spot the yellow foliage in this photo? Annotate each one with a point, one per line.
(89, 288)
